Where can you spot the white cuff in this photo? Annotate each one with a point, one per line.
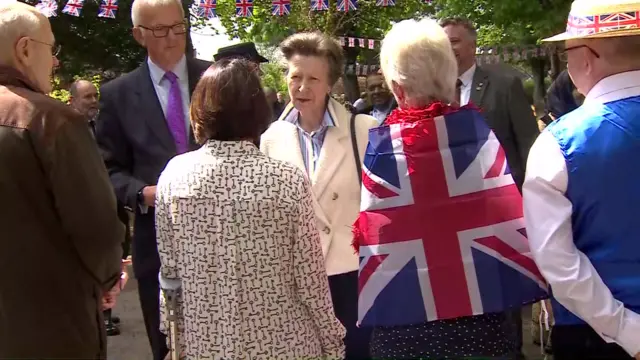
(629, 335)
(169, 284)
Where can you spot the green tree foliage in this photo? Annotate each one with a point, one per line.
(509, 21)
(368, 21)
(91, 44)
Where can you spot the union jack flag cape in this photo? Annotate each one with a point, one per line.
(441, 232)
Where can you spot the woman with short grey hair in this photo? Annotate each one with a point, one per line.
(419, 67)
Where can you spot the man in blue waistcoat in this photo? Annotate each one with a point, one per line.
(582, 189)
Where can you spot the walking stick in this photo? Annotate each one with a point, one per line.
(172, 304)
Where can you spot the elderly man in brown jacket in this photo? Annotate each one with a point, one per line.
(59, 232)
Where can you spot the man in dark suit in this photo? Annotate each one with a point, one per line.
(501, 98)
(143, 123)
(504, 103)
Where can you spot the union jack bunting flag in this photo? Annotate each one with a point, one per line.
(587, 25)
(280, 7)
(48, 8)
(441, 223)
(244, 8)
(108, 9)
(319, 5)
(207, 8)
(385, 3)
(347, 5)
(73, 7)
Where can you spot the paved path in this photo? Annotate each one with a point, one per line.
(132, 344)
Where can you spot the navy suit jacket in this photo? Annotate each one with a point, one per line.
(136, 144)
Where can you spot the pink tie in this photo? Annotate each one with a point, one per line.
(175, 114)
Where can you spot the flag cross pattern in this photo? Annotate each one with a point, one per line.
(108, 8)
(385, 2)
(347, 5)
(73, 7)
(207, 8)
(319, 5)
(244, 8)
(586, 25)
(449, 222)
(281, 7)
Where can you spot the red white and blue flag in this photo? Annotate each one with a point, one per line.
(207, 8)
(73, 7)
(319, 5)
(441, 223)
(108, 9)
(48, 8)
(244, 8)
(385, 3)
(280, 7)
(347, 5)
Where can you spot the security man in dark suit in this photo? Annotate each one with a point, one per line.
(143, 123)
(504, 103)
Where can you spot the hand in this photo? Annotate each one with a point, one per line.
(124, 277)
(108, 302)
(149, 195)
(637, 356)
(109, 298)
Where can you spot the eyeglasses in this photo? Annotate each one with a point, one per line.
(163, 31)
(564, 56)
(55, 48)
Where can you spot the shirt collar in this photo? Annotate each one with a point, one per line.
(615, 87)
(294, 116)
(467, 76)
(157, 74)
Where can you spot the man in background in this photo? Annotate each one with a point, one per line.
(381, 99)
(501, 98)
(508, 113)
(61, 238)
(143, 123)
(84, 98)
(272, 98)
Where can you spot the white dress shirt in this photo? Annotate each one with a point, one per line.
(575, 282)
(163, 86)
(467, 82)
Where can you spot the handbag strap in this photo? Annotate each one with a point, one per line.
(354, 144)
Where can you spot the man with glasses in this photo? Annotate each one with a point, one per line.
(581, 194)
(143, 123)
(60, 234)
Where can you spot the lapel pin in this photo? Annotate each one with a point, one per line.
(479, 87)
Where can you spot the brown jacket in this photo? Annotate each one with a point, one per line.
(60, 235)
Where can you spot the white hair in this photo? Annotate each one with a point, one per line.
(417, 55)
(139, 5)
(16, 20)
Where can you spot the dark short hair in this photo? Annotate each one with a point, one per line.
(316, 44)
(228, 103)
(460, 21)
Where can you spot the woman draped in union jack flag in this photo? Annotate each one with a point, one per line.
(440, 234)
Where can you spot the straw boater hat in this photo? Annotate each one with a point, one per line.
(601, 19)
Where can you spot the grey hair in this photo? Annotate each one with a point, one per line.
(17, 20)
(417, 55)
(139, 5)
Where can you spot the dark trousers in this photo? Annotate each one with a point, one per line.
(149, 293)
(514, 324)
(581, 342)
(344, 294)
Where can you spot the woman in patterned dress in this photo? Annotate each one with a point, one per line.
(420, 69)
(236, 231)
